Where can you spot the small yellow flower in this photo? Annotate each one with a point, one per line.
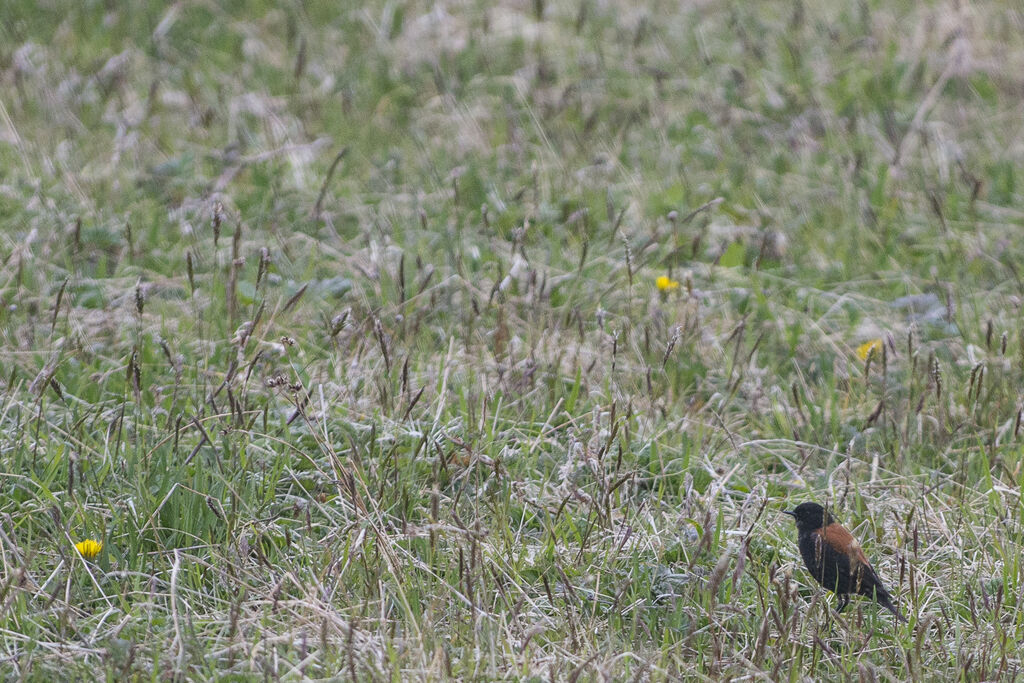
(872, 346)
(89, 548)
(665, 283)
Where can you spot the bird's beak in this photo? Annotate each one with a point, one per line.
(788, 512)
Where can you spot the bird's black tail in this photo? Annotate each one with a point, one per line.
(873, 588)
(885, 600)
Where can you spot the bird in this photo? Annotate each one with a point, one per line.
(835, 559)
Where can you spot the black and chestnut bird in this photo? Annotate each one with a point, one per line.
(835, 559)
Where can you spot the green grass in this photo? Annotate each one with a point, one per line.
(427, 416)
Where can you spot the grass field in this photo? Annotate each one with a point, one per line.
(340, 326)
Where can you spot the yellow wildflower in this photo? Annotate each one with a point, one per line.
(665, 283)
(872, 346)
(89, 548)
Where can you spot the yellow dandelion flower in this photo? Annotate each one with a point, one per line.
(665, 283)
(89, 548)
(872, 346)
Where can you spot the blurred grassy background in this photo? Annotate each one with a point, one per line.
(339, 326)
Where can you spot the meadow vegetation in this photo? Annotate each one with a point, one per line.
(402, 340)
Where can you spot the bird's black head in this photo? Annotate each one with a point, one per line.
(808, 516)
